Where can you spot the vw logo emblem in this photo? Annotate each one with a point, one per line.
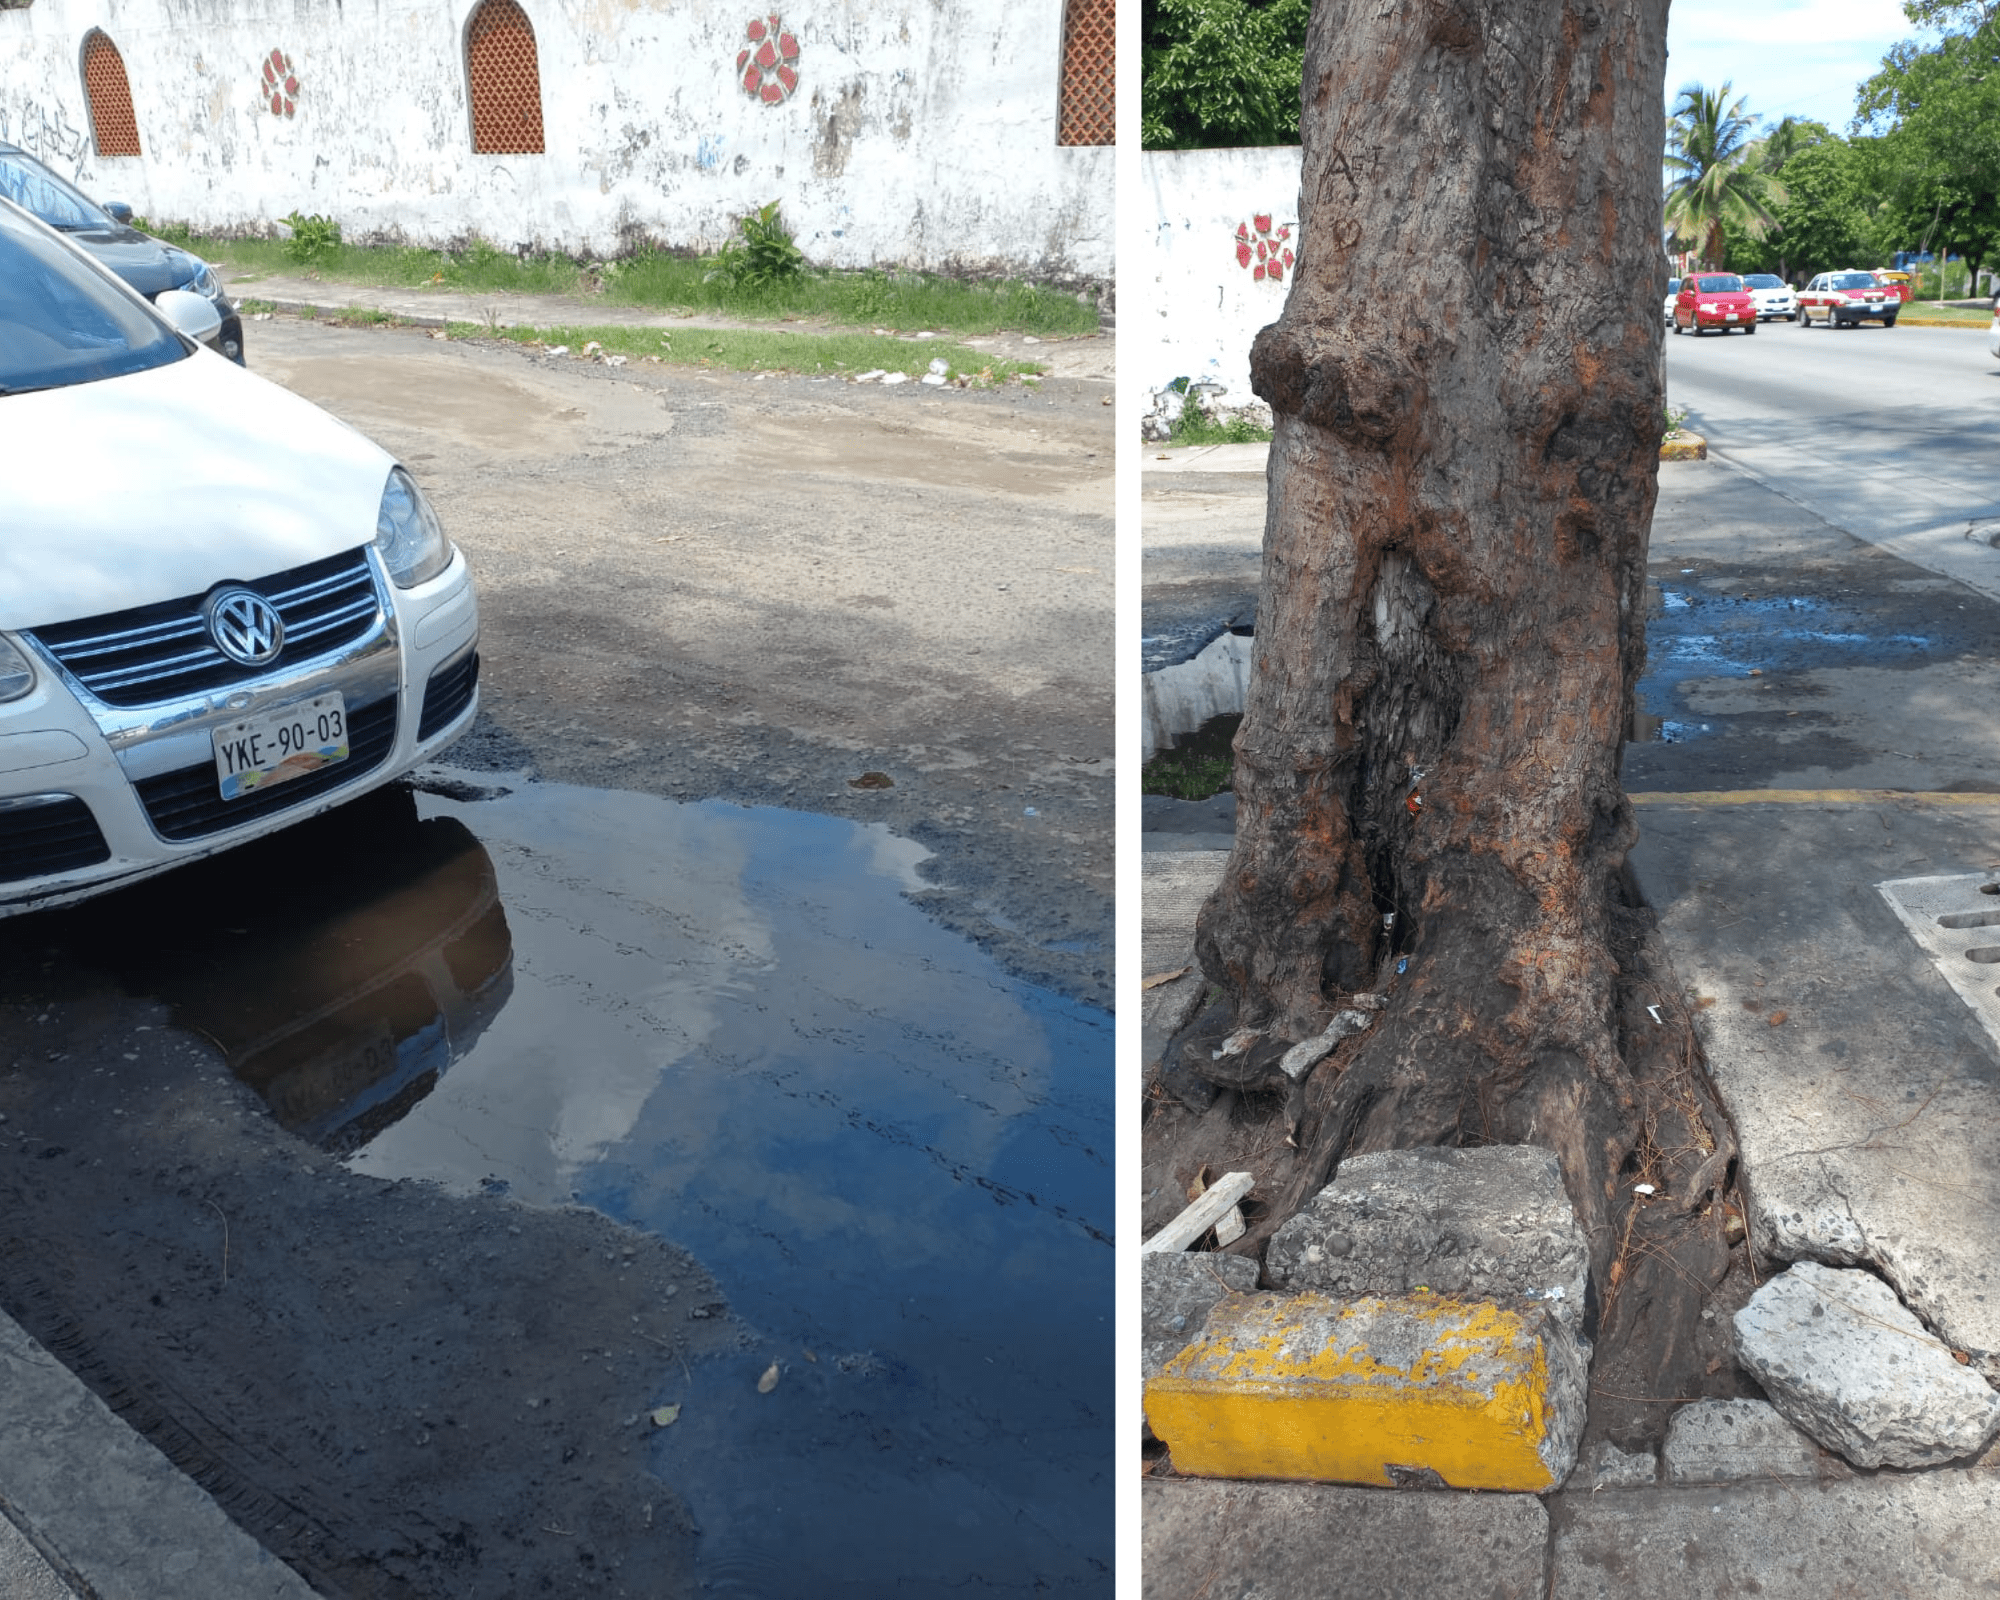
(245, 626)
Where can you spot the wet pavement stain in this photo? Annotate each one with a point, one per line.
(730, 1028)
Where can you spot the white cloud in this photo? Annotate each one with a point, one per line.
(1789, 58)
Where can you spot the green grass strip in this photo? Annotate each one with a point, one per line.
(898, 302)
(752, 350)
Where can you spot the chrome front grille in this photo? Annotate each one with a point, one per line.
(162, 652)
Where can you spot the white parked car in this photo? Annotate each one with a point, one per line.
(221, 610)
(1773, 297)
(1993, 333)
(1673, 294)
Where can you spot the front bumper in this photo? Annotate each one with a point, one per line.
(94, 795)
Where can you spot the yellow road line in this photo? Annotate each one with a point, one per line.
(1816, 797)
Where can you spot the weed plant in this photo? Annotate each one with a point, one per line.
(1201, 765)
(1195, 426)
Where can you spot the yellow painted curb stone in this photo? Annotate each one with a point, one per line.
(1375, 1390)
(1683, 447)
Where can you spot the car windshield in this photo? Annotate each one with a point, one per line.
(1854, 280)
(1721, 283)
(1764, 280)
(64, 322)
(32, 187)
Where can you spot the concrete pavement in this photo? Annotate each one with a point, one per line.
(1864, 1088)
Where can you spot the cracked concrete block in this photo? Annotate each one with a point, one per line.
(1605, 1466)
(1725, 1441)
(1177, 1291)
(1492, 1222)
(1418, 1390)
(1840, 1356)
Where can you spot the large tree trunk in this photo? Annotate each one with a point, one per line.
(1466, 385)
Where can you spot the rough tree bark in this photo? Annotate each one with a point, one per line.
(1466, 382)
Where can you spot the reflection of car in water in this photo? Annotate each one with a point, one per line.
(341, 966)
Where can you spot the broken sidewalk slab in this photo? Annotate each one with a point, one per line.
(1869, 1118)
(1842, 1357)
(1493, 1222)
(1203, 1540)
(1414, 1390)
(1928, 1535)
(1605, 1466)
(1726, 1441)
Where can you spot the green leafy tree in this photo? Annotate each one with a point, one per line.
(1823, 221)
(1713, 180)
(1220, 72)
(1936, 155)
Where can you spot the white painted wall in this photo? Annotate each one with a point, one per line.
(1201, 305)
(922, 133)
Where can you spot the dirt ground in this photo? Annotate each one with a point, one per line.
(692, 585)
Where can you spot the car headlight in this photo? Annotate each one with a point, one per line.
(17, 672)
(204, 282)
(408, 534)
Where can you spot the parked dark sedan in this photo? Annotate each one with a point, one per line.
(145, 263)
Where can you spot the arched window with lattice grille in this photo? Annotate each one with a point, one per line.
(503, 79)
(113, 129)
(1088, 73)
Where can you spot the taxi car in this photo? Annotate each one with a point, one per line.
(1842, 299)
(221, 609)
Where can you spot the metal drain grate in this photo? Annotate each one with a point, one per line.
(1956, 922)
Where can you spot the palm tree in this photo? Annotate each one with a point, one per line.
(1708, 140)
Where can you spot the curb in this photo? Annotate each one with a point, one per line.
(1683, 446)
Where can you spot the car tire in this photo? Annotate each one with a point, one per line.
(1889, 321)
(1678, 329)
(1750, 326)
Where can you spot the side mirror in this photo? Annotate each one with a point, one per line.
(120, 211)
(193, 314)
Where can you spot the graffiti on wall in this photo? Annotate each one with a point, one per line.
(1266, 255)
(47, 134)
(281, 84)
(768, 67)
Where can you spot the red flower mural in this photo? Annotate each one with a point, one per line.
(768, 67)
(1267, 255)
(281, 84)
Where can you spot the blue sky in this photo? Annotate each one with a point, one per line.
(1798, 58)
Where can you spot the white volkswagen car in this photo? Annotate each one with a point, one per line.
(1773, 297)
(221, 610)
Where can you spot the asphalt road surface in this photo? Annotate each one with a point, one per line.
(1890, 434)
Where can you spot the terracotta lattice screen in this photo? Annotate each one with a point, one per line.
(112, 124)
(1088, 76)
(504, 79)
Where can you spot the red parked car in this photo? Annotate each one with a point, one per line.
(1714, 300)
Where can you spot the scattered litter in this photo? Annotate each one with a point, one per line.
(939, 365)
(1029, 338)
(614, 361)
(927, 335)
(593, 348)
(1388, 921)
(871, 375)
(1237, 1043)
(769, 1381)
(1402, 965)
(1029, 811)
(1644, 1188)
(934, 380)
(666, 1416)
(557, 350)
(1654, 1013)
(895, 377)
(1414, 804)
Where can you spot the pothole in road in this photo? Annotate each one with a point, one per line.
(727, 1027)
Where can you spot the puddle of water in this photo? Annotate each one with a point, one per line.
(728, 1027)
(1702, 634)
